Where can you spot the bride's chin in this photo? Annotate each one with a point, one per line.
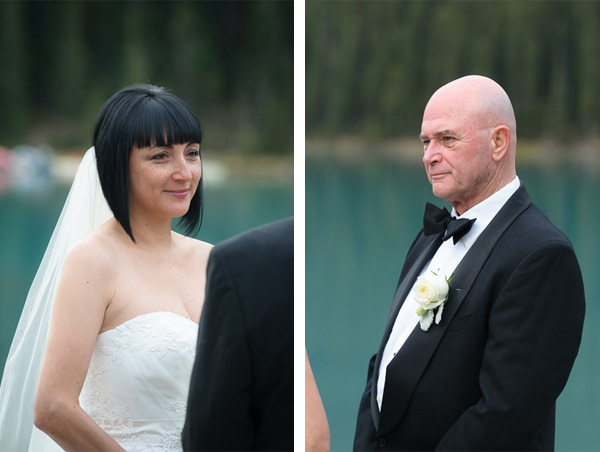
(179, 212)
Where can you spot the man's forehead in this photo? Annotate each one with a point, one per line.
(440, 125)
(456, 119)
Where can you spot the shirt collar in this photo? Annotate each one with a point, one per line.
(486, 210)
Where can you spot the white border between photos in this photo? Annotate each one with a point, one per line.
(299, 286)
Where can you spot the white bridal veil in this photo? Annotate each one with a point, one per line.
(85, 209)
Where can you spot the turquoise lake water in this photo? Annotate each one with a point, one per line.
(361, 217)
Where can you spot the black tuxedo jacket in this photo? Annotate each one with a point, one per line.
(242, 388)
(488, 376)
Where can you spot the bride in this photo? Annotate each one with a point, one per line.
(119, 323)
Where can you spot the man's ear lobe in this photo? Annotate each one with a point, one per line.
(500, 141)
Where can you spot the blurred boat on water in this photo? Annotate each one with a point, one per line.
(26, 169)
(5, 168)
(31, 168)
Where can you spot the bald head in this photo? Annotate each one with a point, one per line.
(478, 97)
(469, 134)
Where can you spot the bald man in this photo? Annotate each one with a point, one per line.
(487, 316)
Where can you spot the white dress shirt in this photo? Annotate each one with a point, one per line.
(443, 263)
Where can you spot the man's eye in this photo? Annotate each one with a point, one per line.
(448, 139)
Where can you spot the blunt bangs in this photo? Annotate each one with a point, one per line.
(142, 116)
(163, 122)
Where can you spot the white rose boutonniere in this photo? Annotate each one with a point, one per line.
(431, 292)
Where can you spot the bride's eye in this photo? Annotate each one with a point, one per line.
(160, 156)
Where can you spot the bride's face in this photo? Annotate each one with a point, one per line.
(163, 180)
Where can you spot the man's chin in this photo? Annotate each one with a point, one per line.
(440, 191)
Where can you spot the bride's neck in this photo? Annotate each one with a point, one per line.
(148, 234)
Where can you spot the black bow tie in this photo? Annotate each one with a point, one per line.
(438, 220)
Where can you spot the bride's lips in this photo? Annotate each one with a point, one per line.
(177, 193)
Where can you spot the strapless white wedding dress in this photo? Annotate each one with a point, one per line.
(137, 384)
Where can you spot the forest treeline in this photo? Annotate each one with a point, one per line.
(372, 66)
(231, 61)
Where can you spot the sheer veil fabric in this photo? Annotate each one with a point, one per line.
(84, 211)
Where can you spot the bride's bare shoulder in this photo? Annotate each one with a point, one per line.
(90, 271)
(97, 251)
(198, 248)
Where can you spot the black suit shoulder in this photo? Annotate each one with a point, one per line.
(531, 232)
(535, 228)
(260, 260)
(269, 246)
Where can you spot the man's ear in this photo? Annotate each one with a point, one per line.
(499, 143)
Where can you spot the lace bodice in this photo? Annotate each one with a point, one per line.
(138, 380)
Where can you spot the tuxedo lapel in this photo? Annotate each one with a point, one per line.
(421, 345)
(427, 249)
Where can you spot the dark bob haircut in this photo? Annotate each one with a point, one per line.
(141, 116)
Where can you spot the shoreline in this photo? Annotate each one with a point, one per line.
(541, 153)
(220, 169)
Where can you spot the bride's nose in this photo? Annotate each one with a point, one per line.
(182, 170)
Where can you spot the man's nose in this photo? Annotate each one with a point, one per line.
(432, 153)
